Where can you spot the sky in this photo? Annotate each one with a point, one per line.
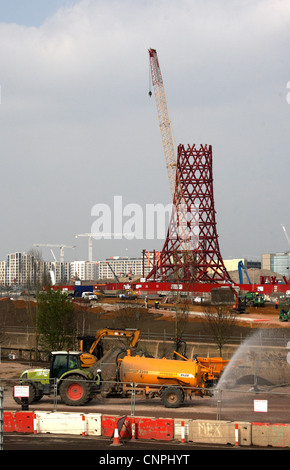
(78, 128)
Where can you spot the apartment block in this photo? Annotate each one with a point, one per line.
(121, 267)
(2, 273)
(83, 270)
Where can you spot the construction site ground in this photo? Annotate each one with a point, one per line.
(236, 405)
(255, 317)
(112, 313)
(106, 312)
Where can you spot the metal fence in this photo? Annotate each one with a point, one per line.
(262, 337)
(247, 402)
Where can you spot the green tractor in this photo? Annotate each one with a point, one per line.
(75, 384)
(284, 310)
(255, 299)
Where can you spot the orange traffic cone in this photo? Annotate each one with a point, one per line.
(116, 441)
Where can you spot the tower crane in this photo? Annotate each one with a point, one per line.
(56, 245)
(92, 235)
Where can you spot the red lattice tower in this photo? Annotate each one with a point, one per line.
(191, 250)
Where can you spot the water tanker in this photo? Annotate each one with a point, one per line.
(172, 380)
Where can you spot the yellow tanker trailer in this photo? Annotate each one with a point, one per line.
(172, 380)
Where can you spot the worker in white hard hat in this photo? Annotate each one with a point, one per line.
(98, 378)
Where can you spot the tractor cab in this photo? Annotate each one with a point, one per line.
(64, 361)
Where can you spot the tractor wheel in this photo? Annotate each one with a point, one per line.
(172, 397)
(75, 390)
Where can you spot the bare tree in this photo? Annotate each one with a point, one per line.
(221, 321)
(184, 271)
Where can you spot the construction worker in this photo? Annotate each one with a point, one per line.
(99, 378)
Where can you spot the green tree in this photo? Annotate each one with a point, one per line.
(55, 320)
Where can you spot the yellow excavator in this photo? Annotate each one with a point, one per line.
(92, 346)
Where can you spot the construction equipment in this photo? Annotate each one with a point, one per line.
(114, 274)
(127, 294)
(164, 120)
(229, 296)
(72, 373)
(183, 222)
(75, 385)
(168, 146)
(60, 246)
(240, 267)
(171, 380)
(92, 346)
(284, 310)
(240, 305)
(255, 299)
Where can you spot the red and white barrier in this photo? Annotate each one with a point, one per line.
(182, 432)
(84, 425)
(236, 434)
(34, 424)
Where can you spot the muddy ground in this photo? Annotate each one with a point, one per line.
(132, 314)
(113, 313)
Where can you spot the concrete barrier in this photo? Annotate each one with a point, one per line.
(198, 431)
(177, 429)
(19, 421)
(210, 431)
(244, 433)
(68, 423)
(274, 435)
(139, 427)
(219, 432)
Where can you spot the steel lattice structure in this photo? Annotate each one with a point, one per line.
(191, 251)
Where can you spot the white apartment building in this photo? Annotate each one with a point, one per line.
(122, 267)
(2, 273)
(13, 269)
(22, 269)
(83, 270)
(57, 271)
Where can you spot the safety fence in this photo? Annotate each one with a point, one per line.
(261, 414)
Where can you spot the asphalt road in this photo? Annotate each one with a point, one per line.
(104, 447)
(235, 405)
